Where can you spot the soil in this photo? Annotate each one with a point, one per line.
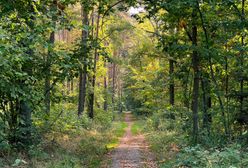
(133, 150)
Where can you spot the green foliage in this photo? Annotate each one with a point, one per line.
(169, 119)
(139, 55)
(85, 148)
(172, 150)
(137, 127)
(66, 162)
(4, 144)
(162, 143)
(103, 119)
(118, 130)
(230, 156)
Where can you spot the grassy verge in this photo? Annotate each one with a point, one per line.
(117, 132)
(173, 148)
(84, 149)
(137, 127)
(73, 149)
(163, 145)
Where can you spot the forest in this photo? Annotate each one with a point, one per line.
(124, 83)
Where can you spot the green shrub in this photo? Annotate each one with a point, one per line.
(4, 144)
(168, 120)
(198, 157)
(103, 119)
(66, 161)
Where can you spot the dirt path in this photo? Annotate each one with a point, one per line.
(132, 151)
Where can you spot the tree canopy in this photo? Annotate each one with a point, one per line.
(72, 67)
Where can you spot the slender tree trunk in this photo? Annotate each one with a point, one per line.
(120, 99)
(13, 120)
(83, 59)
(72, 85)
(92, 94)
(105, 106)
(113, 82)
(186, 90)
(172, 85)
(25, 125)
(195, 62)
(242, 60)
(48, 76)
(207, 118)
(91, 67)
(227, 92)
(212, 71)
(68, 86)
(204, 102)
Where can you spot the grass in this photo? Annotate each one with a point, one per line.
(163, 144)
(137, 127)
(117, 132)
(85, 148)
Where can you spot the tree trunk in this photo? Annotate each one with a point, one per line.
(83, 59)
(212, 71)
(105, 106)
(242, 60)
(72, 85)
(68, 86)
(207, 118)
(25, 125)
(24, 105)
(113, 81)
(186, 91)
(48, 76)
(227, 92)
(196, 71)
(92, 94)
(172, 85)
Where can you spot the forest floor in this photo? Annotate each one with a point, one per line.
(132, 151)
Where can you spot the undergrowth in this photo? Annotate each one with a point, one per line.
(68, 142)
(137, 127)
(170, 142)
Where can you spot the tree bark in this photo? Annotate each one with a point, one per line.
(113, 81)
(92, 94)
(83, 59)
(105, 106)
(72, 85)
(242, 60)
(212, 71)
(186, 89)
(207, 118)
(48, 76)
(68, 86)
(172, 85)
(196, 71)
(24, 108)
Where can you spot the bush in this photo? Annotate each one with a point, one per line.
(198, 157)
(4, 144)
(102, 119)
(169, 119)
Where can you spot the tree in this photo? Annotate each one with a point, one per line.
(83, 59)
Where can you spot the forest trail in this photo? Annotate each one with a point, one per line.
(133, 151)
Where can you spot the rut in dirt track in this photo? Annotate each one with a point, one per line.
(132, 151)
